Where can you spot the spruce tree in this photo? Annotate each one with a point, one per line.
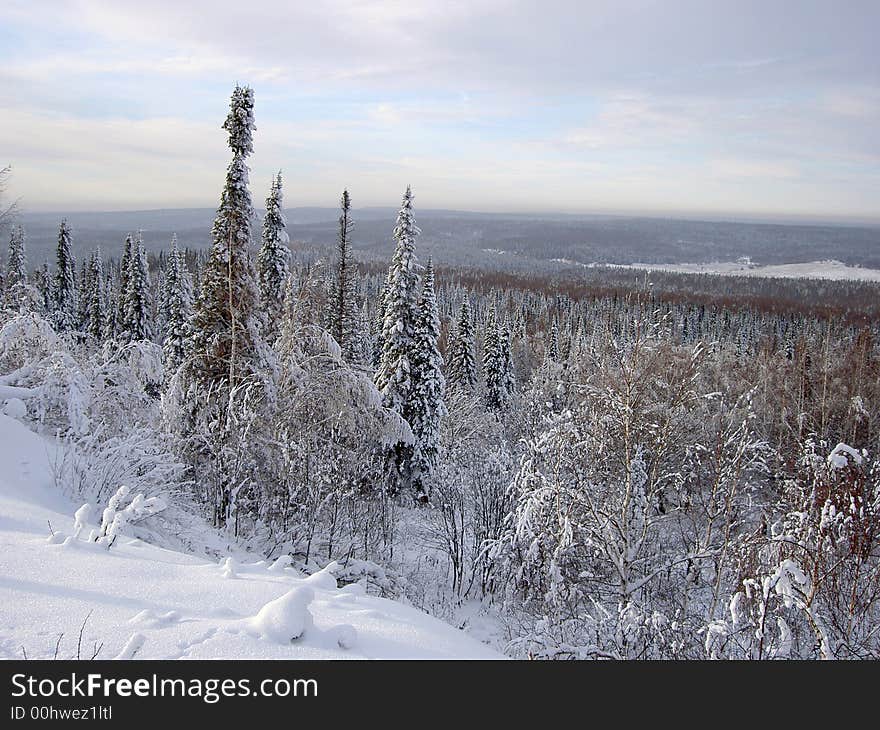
(176, 308)
(426, 407)
(494, 362)
(96, 311)
(110, 299)
(138, 321)
(343, 292)
(226, 347)
(122, 292)
(462, 357)
(272, 261)
(64, 291)
(400, 312)
(17, 292)
(16, 265)
(505, 364)
(399, 326)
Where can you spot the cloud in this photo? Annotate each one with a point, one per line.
(517, 104)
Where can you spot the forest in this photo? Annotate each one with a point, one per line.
(618, 465)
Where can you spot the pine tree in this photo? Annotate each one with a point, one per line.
(64, 290)
(462, 358)
(272, 261)
(95, 311)
(176, 308)
(426, 407)
(138, 321)
(343, 292)
(226, 345)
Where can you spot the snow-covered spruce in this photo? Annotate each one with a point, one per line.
(65, 295)
(272, 261)
(426, 407)
(462, 359)
(344, 317)
(177, 303)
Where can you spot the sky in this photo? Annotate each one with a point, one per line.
(737, 108)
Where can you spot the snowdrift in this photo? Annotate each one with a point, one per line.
(63, 596)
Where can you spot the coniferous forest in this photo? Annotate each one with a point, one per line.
(651, 467)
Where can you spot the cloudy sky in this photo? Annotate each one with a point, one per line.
(743, 107)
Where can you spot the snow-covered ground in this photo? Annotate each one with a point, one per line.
(835, 270)
(137, 599)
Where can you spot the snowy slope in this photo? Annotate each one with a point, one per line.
(152, 603)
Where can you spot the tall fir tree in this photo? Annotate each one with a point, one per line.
(17, 293)
(496, 362)
(122, 291)
(96, 311)
(399, 325)
(16, 264)
(462, 356)
(507, 380)
(343, 292)
(65, 303)
(227, 346)
(110, 301)
(426, 407)
(138, 321)
(400, 312)
(177, 305)
(272, 261)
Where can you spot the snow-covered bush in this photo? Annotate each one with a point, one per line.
(25, 339)
(90, 466)
(809, 583)
(123, 510)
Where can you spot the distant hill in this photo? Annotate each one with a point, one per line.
(510, 242)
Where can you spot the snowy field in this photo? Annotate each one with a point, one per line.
(62, 595)
(833, 270)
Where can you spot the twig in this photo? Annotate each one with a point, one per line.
(81, 629)
(97, 649)
(50, 528)
(58, 645)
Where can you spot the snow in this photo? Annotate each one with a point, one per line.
(840, 456)
(833, 270)
(140, 600)
(15, 408)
